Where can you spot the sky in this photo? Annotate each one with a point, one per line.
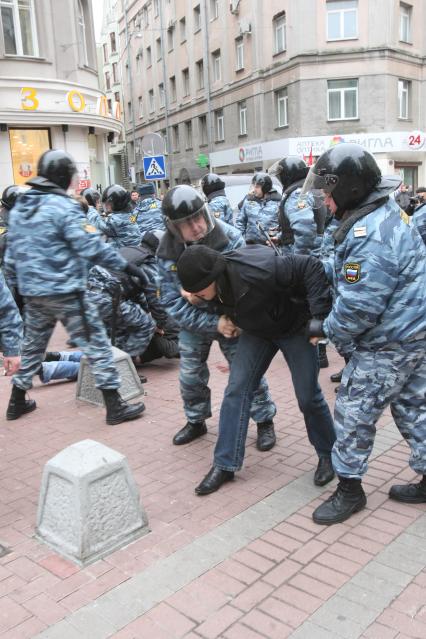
(97, 16)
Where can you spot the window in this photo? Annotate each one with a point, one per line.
(279, 33)
(158, 48)
(129, 110)
(26, 146)
(115, 72)
(148, 57)
(156, 8)
(113, 42)
(151, 100)
(117, 96)
(140, 106)
(109, 102)
(185, 82)
(188, 135)
(175, 138)
(281, 99)
(145, 16)
(342, 99)
(242, 117)
(405, 22)
(173, 89)
(342, 19)
(139, 62)
(182, 29)
(19, 29)
(239, 53)
(81, 33)
(216, 66)
(404, 90)
(107, 81)
(105, 50)
(197, 18)
(200, 74)
(162, 94)
(220, 125)
(214, 9)
(171, 38)
(202, 130)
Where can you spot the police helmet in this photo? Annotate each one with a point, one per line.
(211, 183)
(347, 171)
(289, 170)
(264, 181)
(58, 167)
(182, 205)
(10, 195)
(117, 197)
(91, 196)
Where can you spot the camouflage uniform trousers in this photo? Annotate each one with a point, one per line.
(194, 376)
(373, 380)
(41, 315)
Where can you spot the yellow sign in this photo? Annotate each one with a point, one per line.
(29, 101)
(26, 146)
(81, 102)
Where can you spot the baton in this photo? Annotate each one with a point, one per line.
(268, 238)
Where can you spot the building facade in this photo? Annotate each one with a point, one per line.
(246, 82)
(49, 92)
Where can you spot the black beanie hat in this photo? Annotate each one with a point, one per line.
(199, 266)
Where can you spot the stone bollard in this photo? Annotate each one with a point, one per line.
(130, 388)
(89, 503)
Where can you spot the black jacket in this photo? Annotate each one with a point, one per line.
(272, 296)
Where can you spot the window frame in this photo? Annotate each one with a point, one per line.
(200, 74)
(182, 30)
(401, 91)
(408, 9)
(281, 95)
(342, 91)
(172, 85)
(217, 65)
(188, 135)
(219, 117)
(196, 12)
(279, 24)
(113, 40)
(162, 95)
(170, 38)
(186, 83)
(214, 10)
(342, 11)
(140, 107)
(17, 32)
(239, 53)
(151, 101)
(242, 109)
(175, 139)
(202, 128)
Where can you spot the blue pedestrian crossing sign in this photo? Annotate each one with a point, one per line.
(154, 167)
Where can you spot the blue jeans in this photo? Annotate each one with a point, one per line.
(251, 360)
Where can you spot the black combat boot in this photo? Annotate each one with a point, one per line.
(347, 499)
(410, 493)
(322, 355)
(117, 410)
(52, 356)
(191, 431)
(265, 435)
(324, 472)
(18, 405)
(337, 377)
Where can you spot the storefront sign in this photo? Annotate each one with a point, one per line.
(48, 99)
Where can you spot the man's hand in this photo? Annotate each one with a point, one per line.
(314, 331)
(11, 365)
(227, 328)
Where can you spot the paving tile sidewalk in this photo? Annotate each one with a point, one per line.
(244, 562)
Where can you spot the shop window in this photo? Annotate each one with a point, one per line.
(26, 146)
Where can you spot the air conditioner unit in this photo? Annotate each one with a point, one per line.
(234, 6)
(245, 27)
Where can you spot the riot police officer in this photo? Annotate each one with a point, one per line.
(378, 317)
(149, 217)
(46, 258)
(214, 189)
(189, 221)
(92, 197)
(262, 209)
(418, 211)
(8, 200)
(120, 226)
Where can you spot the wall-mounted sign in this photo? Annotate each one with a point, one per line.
(49, 99)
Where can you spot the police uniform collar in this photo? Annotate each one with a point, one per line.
(214, 194)
(46, 186)
(349, 218)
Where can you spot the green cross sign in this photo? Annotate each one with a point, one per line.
(202, 160)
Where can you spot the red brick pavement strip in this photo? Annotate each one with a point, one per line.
(292, 563)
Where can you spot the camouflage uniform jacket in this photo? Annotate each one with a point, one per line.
(297, 213)
(49, 243)
(419, 220)
(10, 322)
(118, 227)
(379, 280)
(264, 210)
(223, 238)
(220, 207)
(148, 215)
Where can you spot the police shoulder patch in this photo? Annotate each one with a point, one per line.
(216, 213)
(352, 272)
(153, 206)
(3, 229)
(89, 228)
(173, 267)
(133, 218)
(301, 204)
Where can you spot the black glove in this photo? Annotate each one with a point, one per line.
(139, 273)
(314, 328)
